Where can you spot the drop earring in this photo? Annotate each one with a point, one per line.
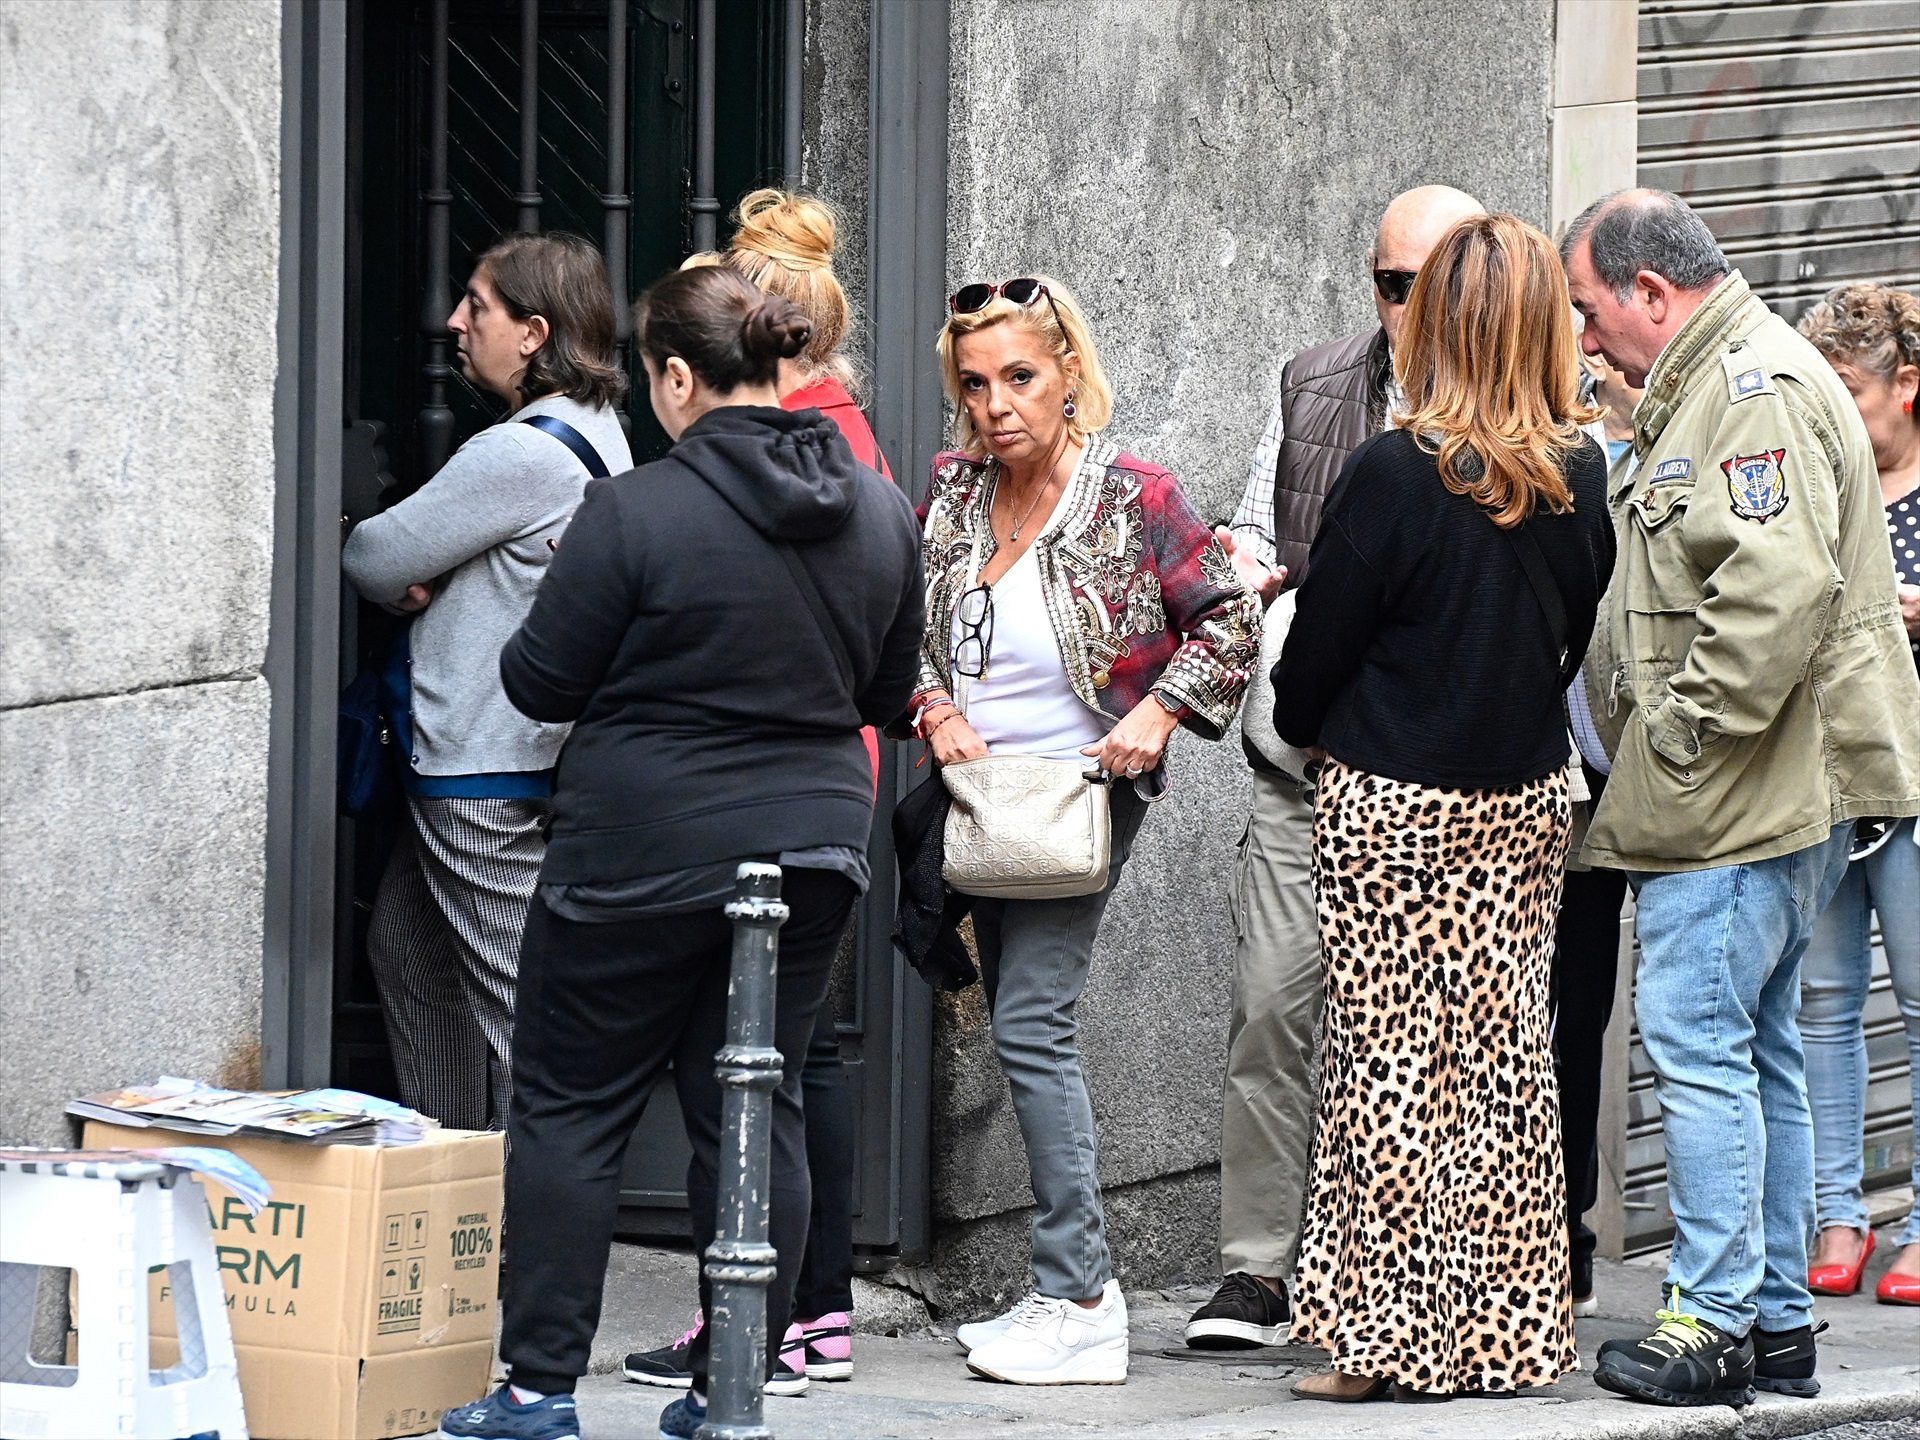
(1070, 409)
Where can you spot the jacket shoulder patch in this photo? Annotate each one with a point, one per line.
(1745, 377)
(1757, 484)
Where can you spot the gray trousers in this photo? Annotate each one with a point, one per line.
(1034, 956)
(1267, 1114)
(445, 949)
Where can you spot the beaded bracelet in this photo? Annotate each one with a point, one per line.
(920, 715)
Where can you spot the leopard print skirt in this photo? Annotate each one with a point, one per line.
(1435, 1248)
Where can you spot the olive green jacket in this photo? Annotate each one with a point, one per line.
(1748, 672)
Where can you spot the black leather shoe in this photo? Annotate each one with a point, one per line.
(1783, 1360)
(1242, 1315)
(1687, 1361)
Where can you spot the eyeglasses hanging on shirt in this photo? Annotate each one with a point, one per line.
(975, 616)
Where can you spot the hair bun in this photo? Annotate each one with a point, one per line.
(775, 327)
(797, 231)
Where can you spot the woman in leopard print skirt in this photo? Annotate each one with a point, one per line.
(1449, 598)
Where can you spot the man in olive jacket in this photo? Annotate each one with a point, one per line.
(1749, 677)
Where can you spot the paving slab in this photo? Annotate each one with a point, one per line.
(916, 1384)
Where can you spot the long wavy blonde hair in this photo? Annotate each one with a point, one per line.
(1060, 327)
(1491, 369)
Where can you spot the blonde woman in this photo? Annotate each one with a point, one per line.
(1085, 613)
(1426, 666)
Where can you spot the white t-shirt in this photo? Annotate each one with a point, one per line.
(1023, 705)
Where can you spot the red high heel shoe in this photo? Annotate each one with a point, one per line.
(1896, 1289)
(1841, 1279)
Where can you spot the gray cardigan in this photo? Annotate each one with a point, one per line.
(485, 522)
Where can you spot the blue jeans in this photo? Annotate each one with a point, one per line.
(1833, 1000)
(1719, 989)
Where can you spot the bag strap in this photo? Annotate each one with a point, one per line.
(817, 603)
(1545, 589)
(572, 439)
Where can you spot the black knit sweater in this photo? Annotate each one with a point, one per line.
(1419, 651)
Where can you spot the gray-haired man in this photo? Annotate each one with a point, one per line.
(1749, 679)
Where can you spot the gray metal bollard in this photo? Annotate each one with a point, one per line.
(740, 1262)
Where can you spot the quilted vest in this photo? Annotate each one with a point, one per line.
(1332, 397)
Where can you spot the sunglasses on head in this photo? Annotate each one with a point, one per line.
(1025, 292)
(1395, 285)
(1022, 292)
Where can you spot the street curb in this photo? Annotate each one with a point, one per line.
(1771, 1418)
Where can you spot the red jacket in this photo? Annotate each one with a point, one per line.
(830, 398)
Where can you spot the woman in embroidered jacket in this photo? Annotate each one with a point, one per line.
(1079, 608)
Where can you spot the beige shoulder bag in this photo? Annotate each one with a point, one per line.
(1023, 827)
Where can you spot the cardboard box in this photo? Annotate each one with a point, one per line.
(363, 1298)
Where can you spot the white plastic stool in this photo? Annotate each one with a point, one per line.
(110, 1223)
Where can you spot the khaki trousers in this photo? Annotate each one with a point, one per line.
(1267, 1119)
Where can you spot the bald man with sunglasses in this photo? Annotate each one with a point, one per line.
(1332, 397)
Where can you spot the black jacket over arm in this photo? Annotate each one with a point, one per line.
(712, 718)
(1419, 651)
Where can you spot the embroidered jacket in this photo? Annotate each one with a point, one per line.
(1141, 595)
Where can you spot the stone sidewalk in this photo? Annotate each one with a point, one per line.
(915, 1384)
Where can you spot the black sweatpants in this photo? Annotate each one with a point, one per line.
(602, 1010)
(1586, 954)
(826, 1274)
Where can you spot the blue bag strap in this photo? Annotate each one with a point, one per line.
(573, 440)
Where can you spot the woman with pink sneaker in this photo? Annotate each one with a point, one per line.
(785, 244)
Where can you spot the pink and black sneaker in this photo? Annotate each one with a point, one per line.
(828, 1343)
(666, 1366)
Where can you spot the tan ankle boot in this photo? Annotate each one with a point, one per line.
(1345, 1389)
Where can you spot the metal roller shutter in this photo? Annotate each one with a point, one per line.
(1794, 129)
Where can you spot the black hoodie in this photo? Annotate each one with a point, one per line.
(711, 719)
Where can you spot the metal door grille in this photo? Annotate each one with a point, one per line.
(1794, 129)
(637, 123)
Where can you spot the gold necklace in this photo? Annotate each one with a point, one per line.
(1045, 485)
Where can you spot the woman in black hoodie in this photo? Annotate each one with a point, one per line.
(717, 625)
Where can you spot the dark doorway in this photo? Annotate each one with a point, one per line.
(648, 178)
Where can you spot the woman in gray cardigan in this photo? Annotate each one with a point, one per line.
(466, 551)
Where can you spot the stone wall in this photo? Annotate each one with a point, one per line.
(140, 205)
(1206, 176)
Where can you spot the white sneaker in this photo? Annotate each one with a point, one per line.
(1585, 1305)
(979, 1332)
(1056, 1342)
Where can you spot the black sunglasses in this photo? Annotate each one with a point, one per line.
(1395, 285)
(1024, 292)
